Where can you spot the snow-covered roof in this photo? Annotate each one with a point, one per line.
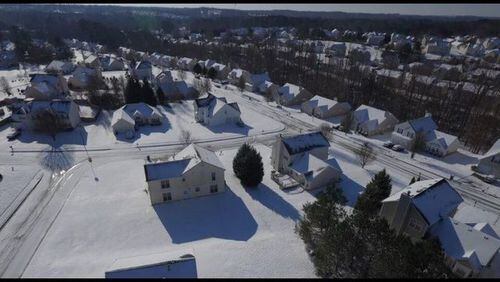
(434, 198)
(289, 91)
(143, 65)
(258, 79)
(309, 165)
(461, 241)
(182, 162)
(305, 142)
(325, 104)
(143, 108)
(176, 264)
(121, 115)
(444, 139)
(424, 124)
(495, 149)
(366, 113)
(43, 77)
(485, 228)
(214, 104)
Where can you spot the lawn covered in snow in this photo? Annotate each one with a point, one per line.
(237, 233)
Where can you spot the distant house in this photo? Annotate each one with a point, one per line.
(257, 79)
(193, 172)
(60, 67)
(109, 63)
(174, 88)
(371, 121)
(66, 110)
(130, 116)
(472, 250)
(88, 113)
(322, 107)
(46, 87)
(177, 264)
(186, 64)
(270, 87)
(436, 142)
(392, 78)
(360, 55)
(436, 46)
(235, 75)
(375, 39)
(303, 157)
(222, 70)
(143, 70)
(291, 94)
(490, 162)
(214, 111)
(92, 61)
(419, 206)
(83, 77)
(337, 49)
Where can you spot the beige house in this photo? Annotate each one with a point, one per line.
(490, 162)
(371, 121)
(215, 111)
(291, 94)
(46, 87)
(193, 172)
(322, 107)
(303, 157)
(416, 208)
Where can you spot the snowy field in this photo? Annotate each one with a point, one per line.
(237, 233)
(14, 182)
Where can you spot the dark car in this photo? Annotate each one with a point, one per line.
(388, 145)
(13, 134)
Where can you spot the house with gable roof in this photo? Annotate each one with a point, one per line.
(371, 121)
(46, 87)
(214, 111)
(490, 162)
(291, 94)
(143, 70)
(193, 172)
(322, 107)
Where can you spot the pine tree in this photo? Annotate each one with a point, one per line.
(148, 95)
(197, 69)
(377, 190)
(248, 167)
(212, 73)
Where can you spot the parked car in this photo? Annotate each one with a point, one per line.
(15, 132)
(388, 144)
(336, 126)
(397, 148)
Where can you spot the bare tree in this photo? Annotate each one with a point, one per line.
(365, 154)
(241, 83)
(326, 130)
(5, 86)
(202, 85)
(347, 122)
(418, 143)
(269, 95)
(47, 122)
(186, 137)
(181, 74)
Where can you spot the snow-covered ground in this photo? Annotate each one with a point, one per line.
(237, 233)
(15, 178)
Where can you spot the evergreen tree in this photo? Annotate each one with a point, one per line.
(197, 69)
(212, 73)
(248, 167)
(148, 95)
(377, 190)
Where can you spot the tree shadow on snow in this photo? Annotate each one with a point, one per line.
(56, 159)
(77, 136)
(351, 190)
(231, 128)
(223, 215)
(271, 200)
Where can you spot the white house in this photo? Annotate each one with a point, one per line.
(472, 250)
(139, 113)
(109, 63)
(46, 87)
(371, 121)
(82, 77)
(186, 63)
(490, 162)
(193, 172)
(66, 110)
(291, 94)
(174, 88)
(175, 264)
(143, 70)
(270, 87)
(222, 70)
(436, 142)
(303, 157)
(235, 75)
(322, 107)
(60, 67)
(214, 111)
(375, 39)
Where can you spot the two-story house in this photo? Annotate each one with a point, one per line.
(371, 121)
(490, 162)
(193, 172)
(214, 111)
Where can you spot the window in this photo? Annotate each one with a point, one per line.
(213, 189)
(197, 189)
(213, 175)
(167, 197)
(165, 184)
(183, 179)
